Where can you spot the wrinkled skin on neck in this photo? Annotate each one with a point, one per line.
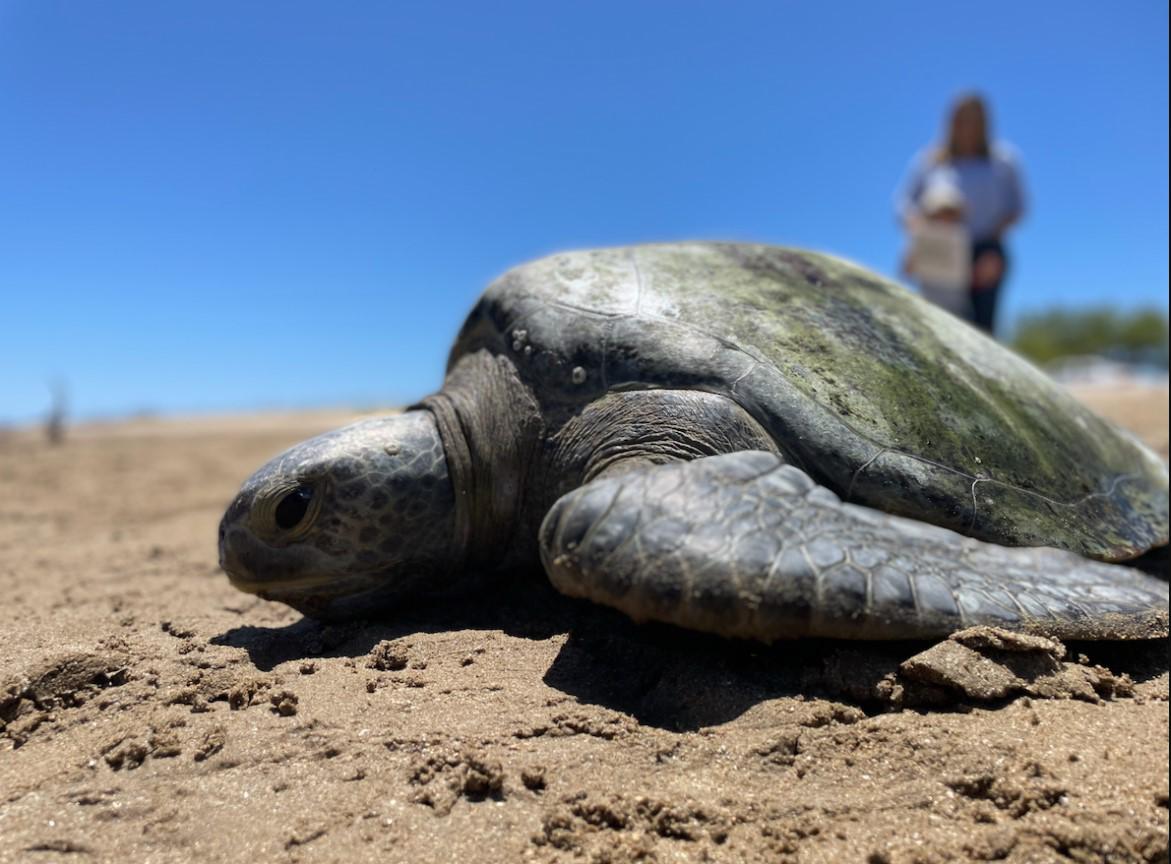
(347, 522)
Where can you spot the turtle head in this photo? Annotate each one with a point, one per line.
(346, 522)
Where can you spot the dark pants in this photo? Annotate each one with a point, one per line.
(984, 298)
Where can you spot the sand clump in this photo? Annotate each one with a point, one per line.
(150, 712)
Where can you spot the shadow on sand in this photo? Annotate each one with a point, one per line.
(662, 676)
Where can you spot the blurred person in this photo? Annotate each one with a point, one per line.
(989, 179)
(939, 257)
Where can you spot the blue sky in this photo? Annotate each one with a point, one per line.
(223, 205)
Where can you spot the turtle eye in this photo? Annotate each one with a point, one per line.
(292, 508)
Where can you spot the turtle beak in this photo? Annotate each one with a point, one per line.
(238, 548)
(229, 562)
(271, 572)
(297, 574)
(236, 545)
(248, 563)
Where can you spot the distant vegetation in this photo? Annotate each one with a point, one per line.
(1129, 337)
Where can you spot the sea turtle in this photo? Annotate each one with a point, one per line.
(741, 439)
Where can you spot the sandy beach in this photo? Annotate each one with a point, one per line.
(150, 712)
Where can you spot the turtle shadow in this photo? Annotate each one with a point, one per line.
(681, 681)
(660, 675)
(515, 604)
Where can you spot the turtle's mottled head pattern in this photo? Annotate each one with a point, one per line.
(346, 521)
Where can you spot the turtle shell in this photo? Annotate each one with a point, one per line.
(877, 394)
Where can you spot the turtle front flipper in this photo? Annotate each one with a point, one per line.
(744, 545)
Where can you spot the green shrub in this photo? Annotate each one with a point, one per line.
(1138, 336)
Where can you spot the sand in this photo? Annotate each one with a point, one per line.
(149, 712)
